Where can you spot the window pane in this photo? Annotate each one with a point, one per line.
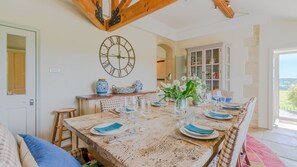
(16, 65)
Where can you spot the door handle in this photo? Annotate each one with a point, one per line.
(31, 102)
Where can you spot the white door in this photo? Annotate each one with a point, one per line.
(275, 89)
(18, 80)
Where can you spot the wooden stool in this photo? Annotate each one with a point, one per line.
(60, 114)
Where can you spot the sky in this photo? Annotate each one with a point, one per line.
(288, 65)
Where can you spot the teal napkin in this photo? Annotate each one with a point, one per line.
(109, 128)
(195, 129)
(129, 109)
(221, 115)
(231, 106)
(157, 103)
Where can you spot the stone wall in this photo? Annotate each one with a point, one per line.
(252, 70)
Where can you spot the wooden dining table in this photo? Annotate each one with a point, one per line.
(152, 139)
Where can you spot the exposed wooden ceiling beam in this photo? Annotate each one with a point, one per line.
(223, 5)
(114, 4)
(124, 4)
(89, 9)
(138, 10)
(122, 12)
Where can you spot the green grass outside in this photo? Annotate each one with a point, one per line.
(284, 103)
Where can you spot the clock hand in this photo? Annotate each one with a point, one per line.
(112, 55)
(123, 57)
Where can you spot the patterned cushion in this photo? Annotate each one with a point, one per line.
(46, 154)
(112, 103)
(9, 156)
(81, 154)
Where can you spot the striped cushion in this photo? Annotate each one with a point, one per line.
(9, 156)
(26, 157)
(81, 154)
(227, 150)
(112, 103)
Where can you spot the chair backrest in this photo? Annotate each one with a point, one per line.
(151, 97)
(112, 103)
(224, 93)
(235, 137)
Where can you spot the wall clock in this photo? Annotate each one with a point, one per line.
(117, 56)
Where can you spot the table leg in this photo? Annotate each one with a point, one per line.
(74, 141)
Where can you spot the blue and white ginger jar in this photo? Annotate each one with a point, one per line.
(138, 86)
(102, 87)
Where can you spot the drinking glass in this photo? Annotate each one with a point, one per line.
(143, 106)
(133, 103)
(149, 106)
(207, 101)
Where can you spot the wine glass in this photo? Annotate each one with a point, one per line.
(217, 94)
(207, 101)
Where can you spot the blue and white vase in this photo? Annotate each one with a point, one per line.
(138, 86)
(101, 87)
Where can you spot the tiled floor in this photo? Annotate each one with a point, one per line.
(282, 140)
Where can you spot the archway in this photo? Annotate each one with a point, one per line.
(165, 64)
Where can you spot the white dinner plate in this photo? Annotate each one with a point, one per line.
(113, 132)
(199, 134)
(214, 135)
(130, 110)
(157, 104)
(232, 106)
(223, 118)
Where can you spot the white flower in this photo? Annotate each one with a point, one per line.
(176, 82)
(195, 78)
(183, 87)
(183, 78)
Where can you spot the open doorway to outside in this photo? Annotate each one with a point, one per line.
(286, 86)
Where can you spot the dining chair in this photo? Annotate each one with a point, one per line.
(112, 103)
(224, 93)
(234, 142)
(231, 152)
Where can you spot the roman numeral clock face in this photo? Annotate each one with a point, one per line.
(117, 56)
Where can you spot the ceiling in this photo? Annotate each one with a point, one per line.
(186, 19)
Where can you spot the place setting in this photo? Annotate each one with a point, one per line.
(158, 104)
(218, 115)
(111, 128)
(232, 106)
(199, 132)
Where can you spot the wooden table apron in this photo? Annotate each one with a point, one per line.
(154, 145)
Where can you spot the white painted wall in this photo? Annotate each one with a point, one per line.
(70, 42)
(274, 34)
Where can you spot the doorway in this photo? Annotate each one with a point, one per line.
(285, 96)
(166, 67)
(18, 79)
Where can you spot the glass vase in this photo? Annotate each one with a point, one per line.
(181, 110)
